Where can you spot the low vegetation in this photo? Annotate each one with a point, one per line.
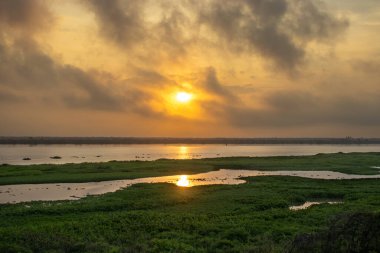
(251, 217)
(353, 163)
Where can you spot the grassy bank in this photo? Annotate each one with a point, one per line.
(353, 163)
(251, 217)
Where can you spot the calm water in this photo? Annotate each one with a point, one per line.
(308, 204)
(72, 191)
(39, 154)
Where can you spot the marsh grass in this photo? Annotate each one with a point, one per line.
(353, 163)
(251, 217)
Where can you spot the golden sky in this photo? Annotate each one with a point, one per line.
(190, 68)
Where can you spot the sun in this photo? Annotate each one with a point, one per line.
(183, 97)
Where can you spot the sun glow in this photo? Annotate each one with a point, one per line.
(183, 97)
(183, 181)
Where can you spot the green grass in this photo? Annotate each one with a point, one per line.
(354, 163)
(251, 217)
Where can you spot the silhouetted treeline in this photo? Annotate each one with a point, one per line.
(164, 140)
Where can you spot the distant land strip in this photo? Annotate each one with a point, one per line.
(168, 140)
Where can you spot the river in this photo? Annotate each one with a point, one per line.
(42, 154)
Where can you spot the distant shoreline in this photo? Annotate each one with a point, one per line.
(168, 140)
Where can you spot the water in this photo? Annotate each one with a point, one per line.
(40, 154)
(308, 204)
(72, 191)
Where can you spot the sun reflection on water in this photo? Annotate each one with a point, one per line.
(183, 181)
(183, 152)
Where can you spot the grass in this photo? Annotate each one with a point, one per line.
(251, 217)
(353, 163)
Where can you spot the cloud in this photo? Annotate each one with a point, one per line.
(281, 32)
(169, 32)
(304, 109)
(21, 62)
(371, 66)
(129, 25)
(277, 29)
(97, 95)
(10, 97)
(23, 65)
(22, 16)
(212, 85)
(27, 69)
(148, 77)
(310, 20)
(119, 21)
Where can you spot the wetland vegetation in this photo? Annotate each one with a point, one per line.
(350, 163)
(250, 217)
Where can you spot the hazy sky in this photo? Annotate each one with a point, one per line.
(258, 68)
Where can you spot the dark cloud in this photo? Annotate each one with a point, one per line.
(27, 69)
(124, 23)
(120, 21)
(224, 19)
(276, 29)
(311, 20)
(270, 42)
(169, 33)
(268, 11)
(291, 100)
(11, 97)
(148, 77)
(371, 66)
(24, 15)
(212, 85)
(300, 109)
(96, 95)
(359, 7)
(23, 65)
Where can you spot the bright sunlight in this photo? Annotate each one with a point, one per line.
(183, 97)
(183, 181)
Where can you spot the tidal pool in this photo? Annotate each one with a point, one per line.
(308, 204)
(72, 191)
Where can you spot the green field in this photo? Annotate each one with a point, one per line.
(251, 217)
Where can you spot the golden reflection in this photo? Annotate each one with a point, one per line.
(183, 181)
(183, 152)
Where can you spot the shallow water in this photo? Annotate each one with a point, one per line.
(39, 154)
(72, 191)
(308, 204)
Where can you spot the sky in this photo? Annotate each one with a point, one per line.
(248, 68)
